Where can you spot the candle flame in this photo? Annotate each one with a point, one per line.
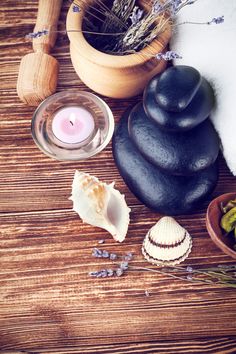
(72, 118)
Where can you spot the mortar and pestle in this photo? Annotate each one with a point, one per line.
(38, 71)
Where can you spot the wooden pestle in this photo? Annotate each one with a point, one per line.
(38, 71)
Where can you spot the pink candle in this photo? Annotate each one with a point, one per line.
(72, 124)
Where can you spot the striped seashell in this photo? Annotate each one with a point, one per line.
(166, 243)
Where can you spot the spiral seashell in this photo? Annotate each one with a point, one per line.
(100, 204)
(166, 243)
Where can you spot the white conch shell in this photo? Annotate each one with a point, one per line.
(99, 204)
(166, 243)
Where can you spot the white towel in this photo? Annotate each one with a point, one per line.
(212, 50)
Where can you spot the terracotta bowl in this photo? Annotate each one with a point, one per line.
(213, 217)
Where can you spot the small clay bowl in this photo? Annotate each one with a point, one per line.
(213, 218)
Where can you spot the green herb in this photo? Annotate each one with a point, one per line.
(228, 220)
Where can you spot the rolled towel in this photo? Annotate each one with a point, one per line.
(212, 50)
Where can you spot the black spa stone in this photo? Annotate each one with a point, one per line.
(170, 110)
(164, 193)
(179, 153)
(176, 87)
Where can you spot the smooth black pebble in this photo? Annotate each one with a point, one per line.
(179, 153)
(176, 87)
(164, 193)
(196, 105)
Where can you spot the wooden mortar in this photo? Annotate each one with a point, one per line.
(38, 71)
(112, 75)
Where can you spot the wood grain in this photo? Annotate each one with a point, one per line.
(48, 303)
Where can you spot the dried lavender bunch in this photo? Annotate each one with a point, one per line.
(122, 27)
(139, 27)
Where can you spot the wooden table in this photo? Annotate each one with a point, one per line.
(49, 304)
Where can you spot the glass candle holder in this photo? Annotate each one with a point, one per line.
(72, 125)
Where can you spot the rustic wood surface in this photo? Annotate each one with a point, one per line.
(48, 303)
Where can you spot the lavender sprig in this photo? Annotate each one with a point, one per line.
(209, 275)
(128, 256)
(221, 275)
(37, 34)
(216, 20)
(119, 271)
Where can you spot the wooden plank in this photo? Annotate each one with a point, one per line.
(48, 302)
(211, 345)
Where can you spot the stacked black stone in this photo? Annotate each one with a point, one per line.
(166, 147)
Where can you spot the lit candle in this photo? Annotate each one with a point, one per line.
(72, 125)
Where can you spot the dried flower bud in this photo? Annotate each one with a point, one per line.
(97, 253)
(105, 254)
(216, 20)
(124, 265)
(119, 272)
(157, 7)
(37, 34)
(76, 8)
(113, 256)
(136, 15)
(189, 269)
(104, 273)
(169, 55)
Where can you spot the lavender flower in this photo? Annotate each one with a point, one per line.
(97, 253)
(110, 272)
(124, 265)
(119, 272)
(128, 257)
(170, 55)
(157, 7)
(104, 273)
(113, 256)
(37, 34)
(216, 20)
(136, 15)
(76, 8)
(189, 269)
(174, 7)
(105, 254)
(189, 277)
(100, 253)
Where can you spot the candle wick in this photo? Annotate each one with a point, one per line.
(71, 123)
